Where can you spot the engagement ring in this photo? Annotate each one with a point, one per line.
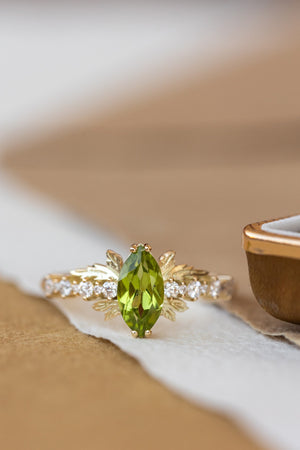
(140, 289)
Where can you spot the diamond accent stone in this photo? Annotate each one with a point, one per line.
(65, 288)
(227, 288)
(56, 287)
(171, 289)
(98, 289)
(215, 288)
(86, 289)
(49, 286)
(76, 289)
(194, 290)
(110, 289)
(203, 288)
(182, 290)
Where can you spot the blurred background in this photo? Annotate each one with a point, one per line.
(174, 123)
(58, 58)
(191, 109)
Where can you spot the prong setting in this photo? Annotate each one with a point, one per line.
(148, 247)
(133, 248)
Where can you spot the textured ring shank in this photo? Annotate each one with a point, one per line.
(209, 287)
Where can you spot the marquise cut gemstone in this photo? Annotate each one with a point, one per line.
(140, 291)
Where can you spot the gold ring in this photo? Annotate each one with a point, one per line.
(140, 289)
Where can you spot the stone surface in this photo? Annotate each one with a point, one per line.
(65, 288)
(171, 289)
(110, 289)
(182, 290)
(227, 287)
(98, 289)
(76, 288)
(140, 291)
(194, 290)
(197, 288)
(49, 286)
(215, 288)
(86, 289)
(56, 287)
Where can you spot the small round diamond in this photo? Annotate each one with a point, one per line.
(110, 289)
(194, 290)
(75, 288)
(227, 288)
(65, 288)
(98, 290)
(56, 287)
(203, 288)
(197, 288)
(171, 289)
(182, 290)
(215, 289)
(49, 286)
(86, 289)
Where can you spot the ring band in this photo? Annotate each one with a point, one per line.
(140, 289)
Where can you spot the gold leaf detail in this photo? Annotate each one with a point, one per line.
(97, 272)
(178, 304)
(181, 273)
(184, 273)
(103, 305)
(110, 306)
(168, 312)
(113, 312)
(167, 263)
(114, 260)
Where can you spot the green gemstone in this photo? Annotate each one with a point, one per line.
(140, 291)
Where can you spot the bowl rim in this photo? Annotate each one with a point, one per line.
(262, 239)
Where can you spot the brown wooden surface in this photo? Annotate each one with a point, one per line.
(60, 389)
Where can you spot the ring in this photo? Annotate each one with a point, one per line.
(140, 289)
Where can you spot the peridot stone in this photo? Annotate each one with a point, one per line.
(140, 291)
